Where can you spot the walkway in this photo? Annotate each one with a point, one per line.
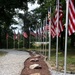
(13, 62)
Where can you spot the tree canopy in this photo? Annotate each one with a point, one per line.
(7, 11)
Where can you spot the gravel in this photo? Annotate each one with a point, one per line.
(13, 62)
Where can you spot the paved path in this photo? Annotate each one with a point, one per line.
(13, 62)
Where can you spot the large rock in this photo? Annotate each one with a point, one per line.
(35, 66)
(35, 74)
(37, 56)
(34, 60)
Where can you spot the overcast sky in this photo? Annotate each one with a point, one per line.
(32, 6)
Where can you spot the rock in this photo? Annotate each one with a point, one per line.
(37, 56)
(34, 60)
(35, 74)
(33, 52)
(35, 66)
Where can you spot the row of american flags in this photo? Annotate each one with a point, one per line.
(55, 22)
(17, 36)
(55, 31)
(40, 31)
(61, 26)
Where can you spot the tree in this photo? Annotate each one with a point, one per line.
(7, 10)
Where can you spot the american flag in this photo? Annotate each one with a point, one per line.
(55, 20)
(53, 33)
(46, 27)
(39, 33)
(25, 35)
(32, 33)
(49, 14)
(71, 26)
(7, 36)
(18, 35)
(15, 36)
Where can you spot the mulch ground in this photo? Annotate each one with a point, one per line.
(42, 71)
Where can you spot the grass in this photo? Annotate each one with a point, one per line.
(2, 53)
(70, 60)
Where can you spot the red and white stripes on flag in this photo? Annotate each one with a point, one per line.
(55, 20)
(18, 35)
(32, 33)
(15, 36)
(7, 36)
(71, 26)
(49, 14)
(39, 33)
(53, 33)
(46, 27)
(43, 31)
(25, 35)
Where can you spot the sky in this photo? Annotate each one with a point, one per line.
(31, 7)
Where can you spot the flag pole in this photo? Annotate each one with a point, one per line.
(67, 5)
(44, 23)
(7, 43)
(29, 41)
(24, 36)
(29, 38)
(14, 40)
(57, 35)
(18, 44)
(23, 42)
(36, 34)
(43, 37)
(43, 45)
(7, 40)
(18, 40)
(46, 36)
(49, 55)
(14, 43)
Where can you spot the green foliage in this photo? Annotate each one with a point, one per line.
(7, 10)
(42, 11)
(44, 6)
